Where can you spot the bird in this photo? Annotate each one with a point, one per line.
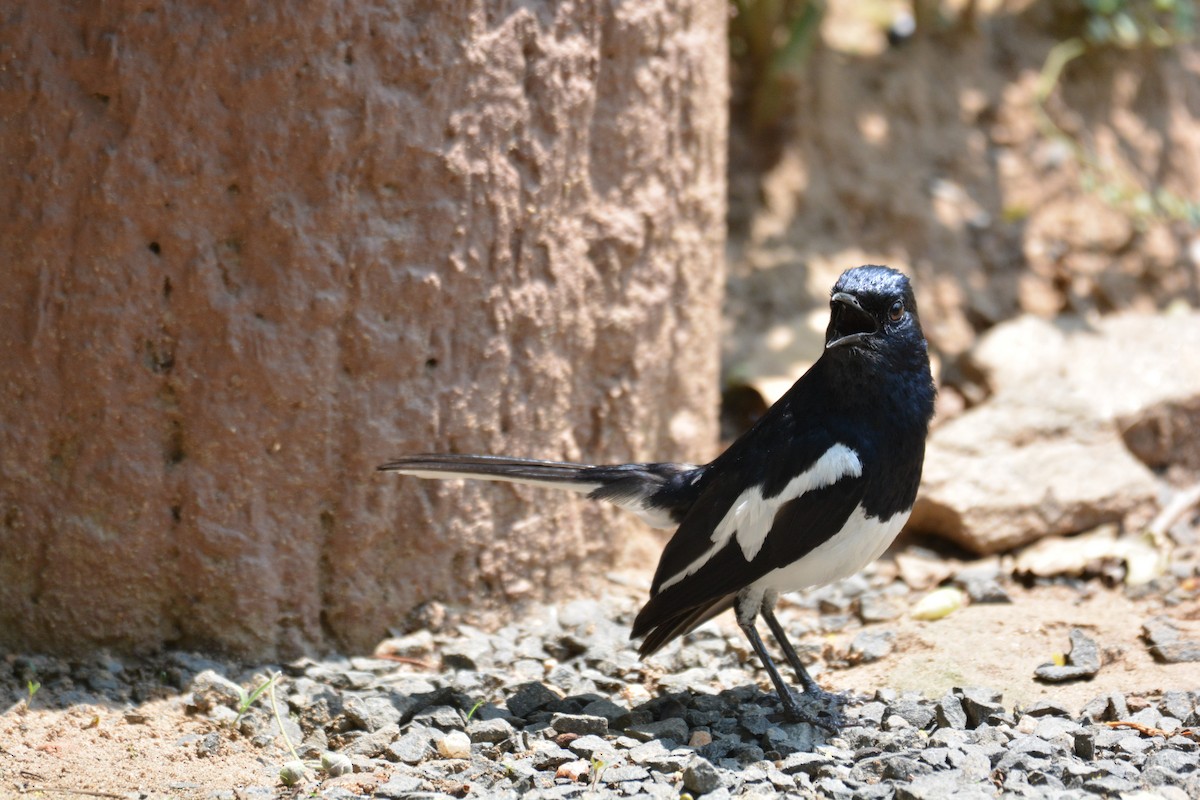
(817, 488)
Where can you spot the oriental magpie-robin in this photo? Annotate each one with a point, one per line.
(814, 491)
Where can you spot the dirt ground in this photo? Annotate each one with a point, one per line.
(871, 201)
(156, 749)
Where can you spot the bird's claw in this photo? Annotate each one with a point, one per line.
(824, 709)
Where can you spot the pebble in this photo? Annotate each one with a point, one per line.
(701, 777)
(1083, 661)
(455, 744)
(591, 714)
(1168, 643)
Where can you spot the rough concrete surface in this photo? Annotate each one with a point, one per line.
(253, 250)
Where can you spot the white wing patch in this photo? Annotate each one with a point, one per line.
(751, 515)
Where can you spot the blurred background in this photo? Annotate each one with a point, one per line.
(1014, 157)
(254, 255)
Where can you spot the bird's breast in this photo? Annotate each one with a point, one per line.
(859, 542)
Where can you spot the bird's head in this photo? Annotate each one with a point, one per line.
(873, 309)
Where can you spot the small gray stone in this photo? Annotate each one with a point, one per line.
(875, 607)
(1082, 662)
(1047, 708)
(623, 773)
(700, 776)
(940, 785)
(1181, 706)
(412, 747)
(985, 590)
(548, 758)
(372, 744)
(1168, 642)
(1109, 785)
(211, 690)
(807, 763)
(399, 787)
(950, 712)
(982, 706)
(868, 646)
(529, 697)
(917, 713)
(209, 745)
(1052, 728)
(370, 713)
(673, 729)
(871, 713)
(605, 708)
(1173, 762)
(579, 723)
(447, 718)
(592, 747)
(490, 730)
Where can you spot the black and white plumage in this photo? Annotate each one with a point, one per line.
(813, 492)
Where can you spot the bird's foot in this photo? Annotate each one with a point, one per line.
(816, 707)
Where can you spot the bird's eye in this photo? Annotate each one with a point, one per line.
(896, 311)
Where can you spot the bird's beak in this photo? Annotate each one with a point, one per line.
(849, 323)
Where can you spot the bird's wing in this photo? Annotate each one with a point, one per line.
(742, 528)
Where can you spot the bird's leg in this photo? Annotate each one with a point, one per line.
(806, 680)
(747, 609)
(833, 701)
(790, 706)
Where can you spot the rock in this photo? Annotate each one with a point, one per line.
(210, 689)
(579, 723)
(868, 646)
(455, 744)
(1172, 641)
(593, 747)
(1046, 708)
(607, 709)
(1181, 706)
(1083, 661)
(918, 713)
(529, 697)
(491, 731)
(372, 744)
(1049, 453)
(674, 729)
(700, 776)
(412, 747)
(980, 705)
(399, 787)
(370, 713)
(874, 607)
(950, 712)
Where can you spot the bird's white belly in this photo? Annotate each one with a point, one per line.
(860, 541)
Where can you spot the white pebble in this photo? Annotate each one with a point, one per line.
(455, 744)
(939, 603)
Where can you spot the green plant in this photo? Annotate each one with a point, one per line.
(474, 708)
(1137, 23)
(598, 767)
(31, 686)
(247, 699)
(1123, 24)
(769, 43)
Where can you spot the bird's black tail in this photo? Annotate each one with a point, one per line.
(559, 474)
(658, 493)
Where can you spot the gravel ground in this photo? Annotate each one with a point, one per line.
(557, 705)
